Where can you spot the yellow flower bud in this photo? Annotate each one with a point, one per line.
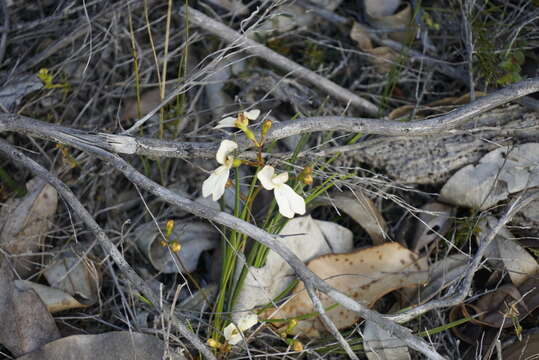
(175, 246)
(306, 176)
(298, 346)
(163, 243)
(266, 126)
(168, 228)
(213, 343)
(237, 162)
(291, 325)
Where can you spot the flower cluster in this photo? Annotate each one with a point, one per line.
(288, 200)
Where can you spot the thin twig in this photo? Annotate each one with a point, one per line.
(254, 48)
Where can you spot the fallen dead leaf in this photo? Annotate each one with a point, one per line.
(501, 172)
(366, 275)
(437, 107)
(506, 253)
(360, 208)
(26, 224)
(55, 300)
(26, 323)
(75, 274)
(114, 345)
(307, 238)
(194, 238)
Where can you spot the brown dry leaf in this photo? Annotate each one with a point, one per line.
(75, 274)
(381, 17)
(509, 301)
(307, 238)
(360, 208)
(398, 21)
(382, 57)
(26, 224)
(54, 299)
(366, 275)
(433, 223)
(114, 345)
(26, 323)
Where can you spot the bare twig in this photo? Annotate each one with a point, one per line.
(330, 325)
(20, 159)
(254, 48)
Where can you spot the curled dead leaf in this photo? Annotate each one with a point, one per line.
(194, 238)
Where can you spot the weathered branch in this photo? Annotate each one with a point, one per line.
(159, 148)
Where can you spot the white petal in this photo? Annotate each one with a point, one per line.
(265, 176)
(248, 321)
(215, 184)
(232, 334)
(289, 201)
(226, 147)
(253, 114)
(226, 123)
(280, 179)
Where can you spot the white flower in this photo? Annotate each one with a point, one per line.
(230, 121)
(289, 202)
(233, 333)
(215, 184)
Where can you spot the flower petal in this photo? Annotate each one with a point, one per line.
(215, 184)
(289, 201)
(226, 147)
(253, 114)
(232, 334)
(248, 321)
(266, 177)
(226, 123)
(280, 179)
